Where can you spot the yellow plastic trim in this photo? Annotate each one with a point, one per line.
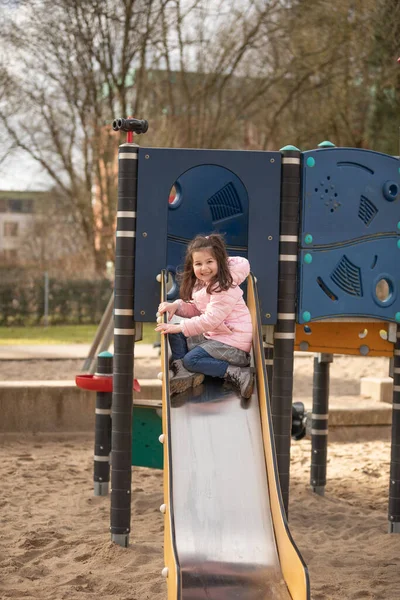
(170, 559)
(344, 338)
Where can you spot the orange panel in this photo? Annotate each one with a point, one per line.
(344, 338)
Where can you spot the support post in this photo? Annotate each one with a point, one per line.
(285, 330)
(319, 422)
(124, 340)
(102, 429)
(394, 486)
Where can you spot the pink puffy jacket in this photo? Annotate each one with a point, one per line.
(222, 316)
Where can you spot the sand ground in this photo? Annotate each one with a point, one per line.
(54, 539)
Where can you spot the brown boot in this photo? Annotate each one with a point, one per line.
(242, 379)
(183, 379)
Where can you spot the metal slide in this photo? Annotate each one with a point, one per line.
(226, 535)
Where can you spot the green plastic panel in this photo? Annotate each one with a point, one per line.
(146, 429)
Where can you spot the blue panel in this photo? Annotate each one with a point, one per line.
(214, 197)
(342, 281)
(235, 192)
(348, 194)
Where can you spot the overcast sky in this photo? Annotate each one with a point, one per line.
(22, 173)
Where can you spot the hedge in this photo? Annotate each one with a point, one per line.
(70, 301)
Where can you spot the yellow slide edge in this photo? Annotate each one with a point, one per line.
(293, 568)
(170, 555)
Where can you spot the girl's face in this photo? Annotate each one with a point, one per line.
(205, 266)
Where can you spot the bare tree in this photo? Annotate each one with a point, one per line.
(216, 56)
(206, 73)
(350, 49)
(67, 64)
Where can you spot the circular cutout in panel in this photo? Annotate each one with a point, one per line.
(172, 285)
(175, 196)
(384, 290)
(172, 195)
(391, 191)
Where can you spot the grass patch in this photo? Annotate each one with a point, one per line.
(62, 334)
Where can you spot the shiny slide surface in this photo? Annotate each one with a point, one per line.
(226, 535)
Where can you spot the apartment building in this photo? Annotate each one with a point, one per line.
(17, 211)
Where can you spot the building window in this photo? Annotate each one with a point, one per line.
(16, 205)
(10, 229)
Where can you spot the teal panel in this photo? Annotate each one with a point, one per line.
(146, 429)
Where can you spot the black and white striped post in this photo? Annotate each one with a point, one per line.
(102, 429)
(394, 486)
(124, 340)
(285, 329)
(319, 422)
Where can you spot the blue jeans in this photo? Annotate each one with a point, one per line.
(197, 360)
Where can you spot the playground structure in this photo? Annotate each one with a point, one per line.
(321, 230)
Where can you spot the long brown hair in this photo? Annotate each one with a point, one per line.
(222, 281)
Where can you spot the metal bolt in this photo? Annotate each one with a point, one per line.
(270, 237)
(272, 160)
(144, 234)
(142, 312)
(147, 156)
(267, 315)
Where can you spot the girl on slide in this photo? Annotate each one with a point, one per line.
(215, 336)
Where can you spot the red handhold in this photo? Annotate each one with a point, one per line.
(99, 383)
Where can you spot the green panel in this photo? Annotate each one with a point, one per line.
(146, 429)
